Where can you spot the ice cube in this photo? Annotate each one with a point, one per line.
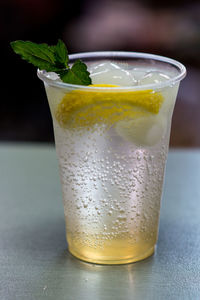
(111, 73)
(153, 77)
(143, 131)
(138, 73)
(52, 76)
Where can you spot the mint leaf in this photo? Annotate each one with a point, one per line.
(78, 74)
(53, 59)
(61, 54)
(40, 55)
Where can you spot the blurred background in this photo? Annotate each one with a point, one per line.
(170, 28)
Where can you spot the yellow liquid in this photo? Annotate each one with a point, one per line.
(116, 251)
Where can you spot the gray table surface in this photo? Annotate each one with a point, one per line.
(35, 263)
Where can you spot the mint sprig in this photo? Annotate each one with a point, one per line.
(53, 59)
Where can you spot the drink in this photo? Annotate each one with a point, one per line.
(112, 142)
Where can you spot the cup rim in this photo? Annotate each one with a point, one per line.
(42, 74)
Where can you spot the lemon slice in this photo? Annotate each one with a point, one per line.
(85, 108)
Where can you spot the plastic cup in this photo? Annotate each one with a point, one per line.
(112, 145)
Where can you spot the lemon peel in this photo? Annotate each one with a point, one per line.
(85, 108)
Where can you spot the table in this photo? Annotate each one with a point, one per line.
(35, 264)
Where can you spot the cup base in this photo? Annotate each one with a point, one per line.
(112, 261)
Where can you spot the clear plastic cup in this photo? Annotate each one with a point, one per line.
(112, 145)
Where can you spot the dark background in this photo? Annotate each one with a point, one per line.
(170, 28)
